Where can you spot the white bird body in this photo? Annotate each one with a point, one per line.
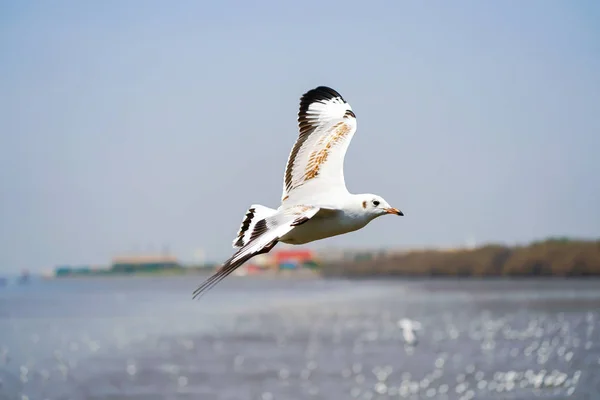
(327, 222)
(408, 330)
(322, 228)
(315, 203)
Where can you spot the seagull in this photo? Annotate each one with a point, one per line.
(408, 330)
(315, 203)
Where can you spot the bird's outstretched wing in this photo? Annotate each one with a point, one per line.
(264, 237)
(316, 162)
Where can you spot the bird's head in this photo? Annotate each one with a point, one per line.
(376, 206)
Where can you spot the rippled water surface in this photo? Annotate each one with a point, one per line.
(252, 338)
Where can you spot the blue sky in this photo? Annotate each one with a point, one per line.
(129, 126)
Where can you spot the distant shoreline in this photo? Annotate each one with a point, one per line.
(300, 273)
(550, 258)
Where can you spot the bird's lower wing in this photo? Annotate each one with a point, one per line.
(264, 237)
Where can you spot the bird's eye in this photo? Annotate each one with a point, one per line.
(375, 203)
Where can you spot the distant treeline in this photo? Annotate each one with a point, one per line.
(552, 257)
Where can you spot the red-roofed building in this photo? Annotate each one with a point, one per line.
(292, 258)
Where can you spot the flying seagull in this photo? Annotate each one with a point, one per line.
(315, 203)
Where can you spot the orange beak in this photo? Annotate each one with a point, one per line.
(393, 210)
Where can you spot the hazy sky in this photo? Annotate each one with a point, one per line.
(126, 126)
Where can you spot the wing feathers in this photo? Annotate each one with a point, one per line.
(321, 94)
(255, 213)
(326, 126)
(259, 229)
(265, 236)
(239, 258)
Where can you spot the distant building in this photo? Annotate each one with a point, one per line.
(264, 261)
(65, 270)
(293, 258)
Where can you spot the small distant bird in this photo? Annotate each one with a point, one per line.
(408, 330)
(315, 203)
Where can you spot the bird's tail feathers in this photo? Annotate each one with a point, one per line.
(257, 244)
(255, 213)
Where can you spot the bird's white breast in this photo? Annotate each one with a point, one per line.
(323, 226)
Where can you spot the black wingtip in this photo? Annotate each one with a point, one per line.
(319, 93)
(324, 91)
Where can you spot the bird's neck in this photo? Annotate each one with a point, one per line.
(355, 209)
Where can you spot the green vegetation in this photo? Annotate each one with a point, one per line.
(552, 257)
(147, 265)
(150, 267)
